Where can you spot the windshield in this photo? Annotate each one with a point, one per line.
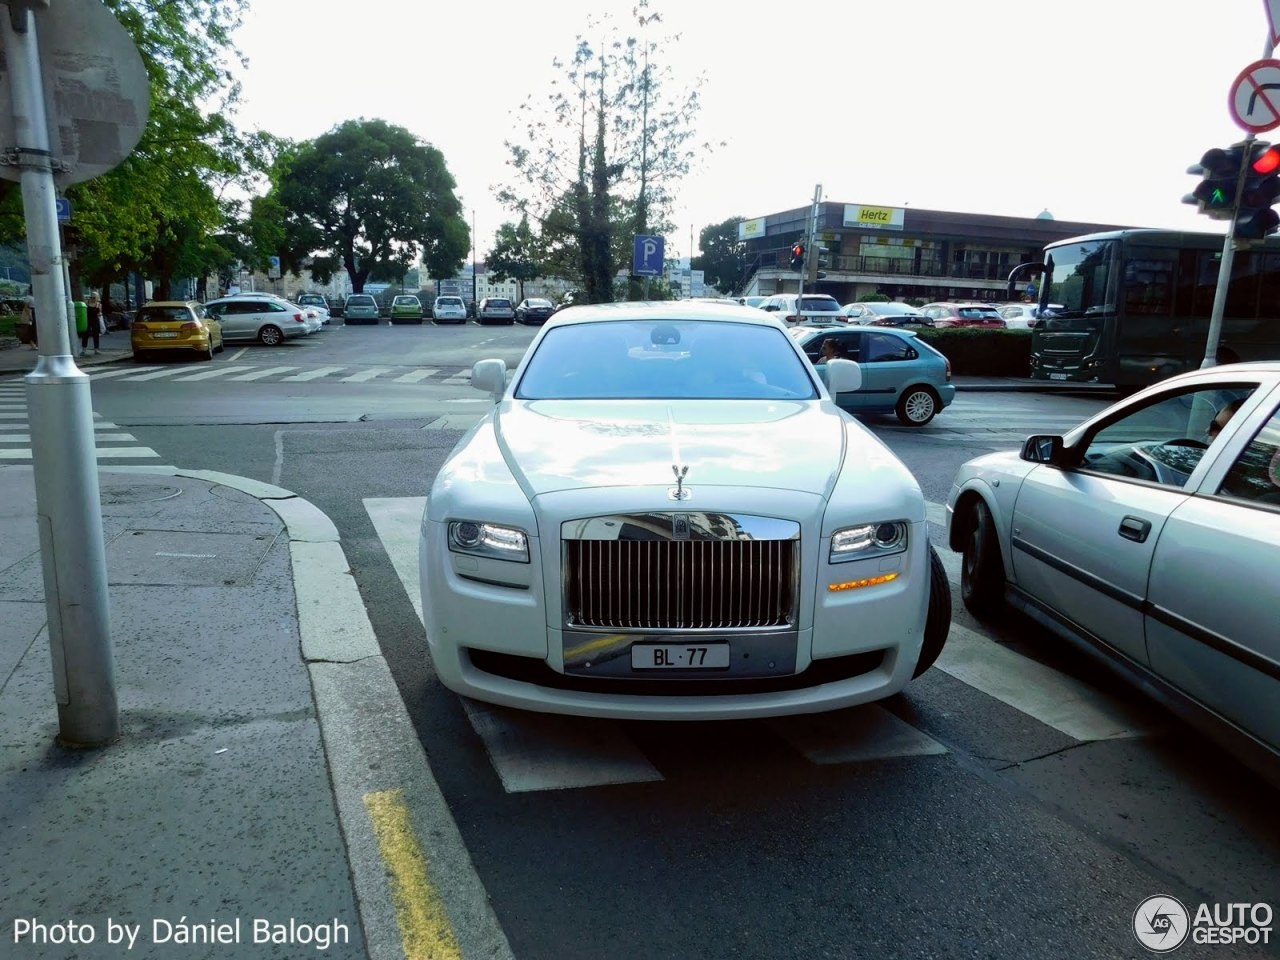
(1080, 282)
(819, 305)
(449, 302)
(665, 359)
(359, 301)
(407, 301)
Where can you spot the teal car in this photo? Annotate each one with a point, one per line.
(406, 309)
(901, 373)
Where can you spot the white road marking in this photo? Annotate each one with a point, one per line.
(539, 751)
(164, 372)
(313, 374)
(854, 736)
(364, 375)
(210, 374)
(1052, 697)
(417, 375)
(103, 374)
(237, 355)
(122, 453)
(259, 374)
(97, 437)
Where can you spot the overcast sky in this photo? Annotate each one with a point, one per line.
(1092, 109)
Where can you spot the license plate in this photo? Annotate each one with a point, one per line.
(165, 333)
(680, 656)
(1057, 376)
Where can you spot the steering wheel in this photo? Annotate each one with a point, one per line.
(1187, 442)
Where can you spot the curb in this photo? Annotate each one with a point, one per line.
(372, 753)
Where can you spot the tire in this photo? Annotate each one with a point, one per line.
(270, 335)
(222, 345)
(139, 357)
(917, 406)
(981, 567)
(208, 352)
(938, 623)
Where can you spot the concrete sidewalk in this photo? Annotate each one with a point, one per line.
(268, 795)
(19, 358)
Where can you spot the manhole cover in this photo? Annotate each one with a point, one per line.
(138, 493)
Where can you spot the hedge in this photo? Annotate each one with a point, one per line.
(983, 353)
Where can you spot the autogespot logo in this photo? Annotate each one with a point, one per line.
(1161, 923)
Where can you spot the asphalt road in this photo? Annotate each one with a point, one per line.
(980, 830)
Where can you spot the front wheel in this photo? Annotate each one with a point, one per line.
(271, 336)
(981, 568)
(938, 623)
(917, 406)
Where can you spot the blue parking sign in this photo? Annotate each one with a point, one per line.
(64, 209)
(647, 261)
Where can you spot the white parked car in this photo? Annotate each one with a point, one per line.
(1150, 536)
(1024, 316)
(449, 310)
(807, 308)
(665, 516)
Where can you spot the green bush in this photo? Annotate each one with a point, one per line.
(983, 353)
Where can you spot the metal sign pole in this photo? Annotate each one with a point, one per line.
(1229, 248)
(68, 511)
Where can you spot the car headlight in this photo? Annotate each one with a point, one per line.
(489, 540)
(868, 540)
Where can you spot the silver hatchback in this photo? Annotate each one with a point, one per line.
(1149, 535)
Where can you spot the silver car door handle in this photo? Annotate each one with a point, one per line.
(1135, 529)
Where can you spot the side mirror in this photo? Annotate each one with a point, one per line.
(490, 376)
(842, 376)
(1043, 448)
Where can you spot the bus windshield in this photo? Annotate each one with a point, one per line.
(1080, 280)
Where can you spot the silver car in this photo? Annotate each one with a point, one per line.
(360, 308)
(263, 317)
(1149, 535)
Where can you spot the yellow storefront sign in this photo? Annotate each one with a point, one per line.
(883, 218)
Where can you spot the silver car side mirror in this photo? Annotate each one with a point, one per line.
(491, 377)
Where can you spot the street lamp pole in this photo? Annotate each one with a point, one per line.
(475, 288)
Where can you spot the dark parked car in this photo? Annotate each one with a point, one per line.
(534, 310)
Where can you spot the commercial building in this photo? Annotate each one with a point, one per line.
(901, 252)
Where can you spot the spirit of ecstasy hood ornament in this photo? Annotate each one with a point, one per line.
(678, 492)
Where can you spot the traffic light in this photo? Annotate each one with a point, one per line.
(1215, 195)
(797, 256)
(1261, 189)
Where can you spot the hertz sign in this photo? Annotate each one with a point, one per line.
(878, 218)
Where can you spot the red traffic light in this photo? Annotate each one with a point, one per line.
(798, 250)
(1268, 161)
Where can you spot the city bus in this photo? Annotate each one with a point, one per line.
(1132, 307)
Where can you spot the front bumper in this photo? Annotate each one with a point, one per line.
(504, 643)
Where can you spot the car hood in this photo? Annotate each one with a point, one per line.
(553, 445)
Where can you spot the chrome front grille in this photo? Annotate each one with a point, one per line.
(659, 584)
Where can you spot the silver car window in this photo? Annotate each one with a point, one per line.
(1255, 476)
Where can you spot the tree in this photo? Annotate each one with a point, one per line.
(370, 198)
(725, 259)
(598, 162)
(515, 254)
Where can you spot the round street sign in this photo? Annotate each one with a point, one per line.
(1255, 96)
(96, 92)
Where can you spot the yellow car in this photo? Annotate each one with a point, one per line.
(175, 325)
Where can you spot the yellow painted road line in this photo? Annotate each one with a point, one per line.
(424, 926)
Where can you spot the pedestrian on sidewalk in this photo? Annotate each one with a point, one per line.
(92, 328)
(29, 316)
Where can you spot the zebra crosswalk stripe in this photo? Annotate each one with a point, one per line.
(416, 375)
(312, 374)
(210, 374)
(365, 375)
(259, 374)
